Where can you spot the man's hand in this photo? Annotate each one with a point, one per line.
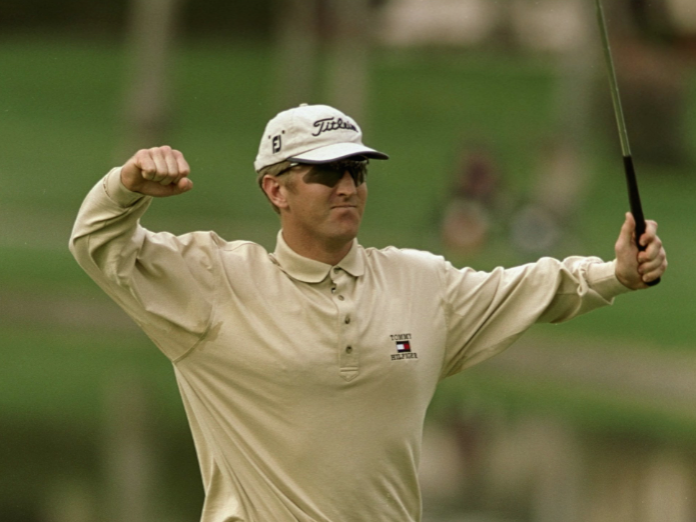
(635, 268)
(159, 172)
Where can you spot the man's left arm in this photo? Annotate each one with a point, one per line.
(489, 311)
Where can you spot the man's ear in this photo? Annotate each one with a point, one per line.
(275, 191)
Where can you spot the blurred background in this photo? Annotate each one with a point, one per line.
(504, 149)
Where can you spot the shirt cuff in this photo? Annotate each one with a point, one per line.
(602, 279)
(117, 191)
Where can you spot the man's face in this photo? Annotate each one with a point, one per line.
(324, 202)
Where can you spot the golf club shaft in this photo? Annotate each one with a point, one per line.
(631, 180)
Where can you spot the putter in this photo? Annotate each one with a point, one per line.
(631, 181)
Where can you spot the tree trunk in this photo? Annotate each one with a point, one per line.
(349, 55)
(130, 468)
(297, 42)
(147, 107)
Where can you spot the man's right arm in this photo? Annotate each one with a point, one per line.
(149, 275)
(110, 213)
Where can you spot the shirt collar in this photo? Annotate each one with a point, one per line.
(311, 271)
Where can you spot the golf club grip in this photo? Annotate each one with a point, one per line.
(636, 207)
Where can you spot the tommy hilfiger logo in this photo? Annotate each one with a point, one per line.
(403, 347)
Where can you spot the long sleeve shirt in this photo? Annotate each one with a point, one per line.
(306, 385)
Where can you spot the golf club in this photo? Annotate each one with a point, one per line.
(632, 182)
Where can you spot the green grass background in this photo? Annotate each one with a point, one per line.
(60, 102)
(59, 128)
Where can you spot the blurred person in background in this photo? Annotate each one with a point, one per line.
(472, 204)
(306, 372)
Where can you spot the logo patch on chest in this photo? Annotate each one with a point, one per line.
(403, 347)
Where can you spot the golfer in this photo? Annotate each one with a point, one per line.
(306, 372)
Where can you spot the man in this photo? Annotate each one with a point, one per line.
(306, 373)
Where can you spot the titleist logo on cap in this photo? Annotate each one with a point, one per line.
(330, 124)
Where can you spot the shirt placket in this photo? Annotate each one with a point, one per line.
(341, 293)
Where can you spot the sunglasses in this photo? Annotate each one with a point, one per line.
(331, 173)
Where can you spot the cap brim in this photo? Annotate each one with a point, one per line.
(338, 151)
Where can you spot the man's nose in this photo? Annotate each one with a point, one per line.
(346, 185)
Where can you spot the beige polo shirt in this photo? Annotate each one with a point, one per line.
(306, 385)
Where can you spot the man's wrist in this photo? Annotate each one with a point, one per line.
(118, 192)
(604, 279)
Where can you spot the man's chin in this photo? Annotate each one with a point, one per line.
(346, 233)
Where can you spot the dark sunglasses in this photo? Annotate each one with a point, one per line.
(331, 173)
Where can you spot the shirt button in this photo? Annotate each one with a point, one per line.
(333, 289)
(347, 320)
(349, 349)
(341, 298)
(337, 269)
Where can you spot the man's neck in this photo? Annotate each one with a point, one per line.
(330, 253)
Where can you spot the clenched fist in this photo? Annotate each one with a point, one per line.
(158, 172)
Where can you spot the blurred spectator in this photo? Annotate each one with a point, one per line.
(473, 198)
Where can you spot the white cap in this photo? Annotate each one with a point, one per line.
(311, 134)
